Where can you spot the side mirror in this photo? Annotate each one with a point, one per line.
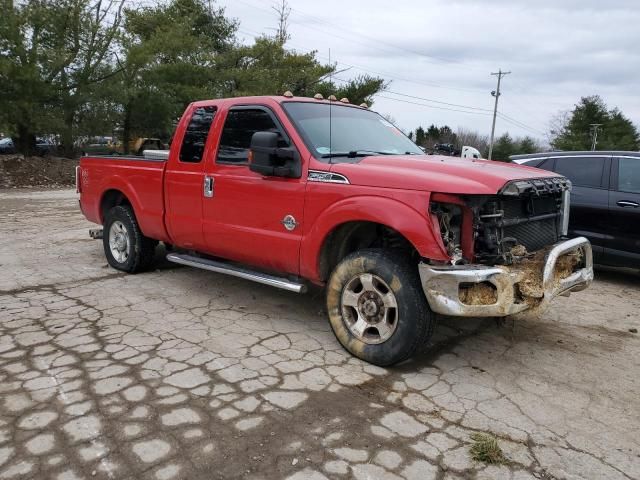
(267, 159)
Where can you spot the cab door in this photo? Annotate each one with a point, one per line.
(184, 179)
(250, 218)
(623, 247)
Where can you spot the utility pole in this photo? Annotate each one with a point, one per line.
(594, 135)
(495, 93)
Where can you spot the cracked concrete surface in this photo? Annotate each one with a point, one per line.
(185, 374)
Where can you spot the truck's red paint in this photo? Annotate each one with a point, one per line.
(435, 173)
(243, 220)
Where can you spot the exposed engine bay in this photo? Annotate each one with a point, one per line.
(525, 216)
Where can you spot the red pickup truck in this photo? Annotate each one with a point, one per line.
(290, 191)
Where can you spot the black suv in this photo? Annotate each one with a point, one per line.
(605, 200)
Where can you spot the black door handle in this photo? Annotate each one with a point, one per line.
(627, 203)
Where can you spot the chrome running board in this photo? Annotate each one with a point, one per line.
(236, 271)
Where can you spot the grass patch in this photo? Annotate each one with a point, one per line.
(485, 449)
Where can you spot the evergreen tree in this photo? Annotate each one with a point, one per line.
(616, 132)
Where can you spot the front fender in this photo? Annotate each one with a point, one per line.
(409, 218)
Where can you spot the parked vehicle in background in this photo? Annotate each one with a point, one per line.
(139, 145)
(7, 146)
(99, 146)
(45, 147)
(287, 191)
(446, 149)
(450, 150)
(109, 146)
(605, 200)
(470, 152)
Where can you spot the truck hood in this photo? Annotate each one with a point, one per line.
(435, 173)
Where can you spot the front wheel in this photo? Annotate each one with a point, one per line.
(125, 247)
(377, 308)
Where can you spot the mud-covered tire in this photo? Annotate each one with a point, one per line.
(138, 253)
(414, 319)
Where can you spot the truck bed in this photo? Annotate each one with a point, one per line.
(139, 178)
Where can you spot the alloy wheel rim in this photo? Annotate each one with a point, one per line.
(369, 308)
(119, 242)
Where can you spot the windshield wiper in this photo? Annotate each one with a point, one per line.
(355, 153)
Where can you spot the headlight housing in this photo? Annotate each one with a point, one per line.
(537, 186)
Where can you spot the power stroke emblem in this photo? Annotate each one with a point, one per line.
(289, 222)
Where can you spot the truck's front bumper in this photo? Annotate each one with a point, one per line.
(442, 284)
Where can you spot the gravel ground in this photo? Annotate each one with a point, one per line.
(185, 374)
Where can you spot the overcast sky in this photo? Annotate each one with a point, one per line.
(445, 50)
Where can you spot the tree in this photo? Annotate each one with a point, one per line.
(53, 53)
(85, 67)
(358, 90)
(172, 55)
(435, 134)
(503, 148)
(267, 68)
(573, 131)
(527, 145)
(472, 139)
(29, 59)
(420, 137)
(446, 135)
(79, 84)
(283, 10)
(432, 135)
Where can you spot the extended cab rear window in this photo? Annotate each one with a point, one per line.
(195, 138)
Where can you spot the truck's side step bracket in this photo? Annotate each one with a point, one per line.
(235, 271)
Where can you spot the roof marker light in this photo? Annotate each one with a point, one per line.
(288, 94)
(364, 105)
(344, 100)
(318, 96)
(332, 98)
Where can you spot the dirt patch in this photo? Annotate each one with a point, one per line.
(20, 171)
(532, 266)
(478, 294)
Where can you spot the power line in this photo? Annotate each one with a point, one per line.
(395, 77)
(475, 110)
(481, 112)
(438, 101)
(364, 69)
(525, 109)
(520, 124)
(432, 106)
(332, 25)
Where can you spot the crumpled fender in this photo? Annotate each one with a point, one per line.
(406, 219)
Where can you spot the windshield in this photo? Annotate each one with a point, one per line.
(5, 141)
(355, 132)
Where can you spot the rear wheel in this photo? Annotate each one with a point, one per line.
(125, 247)
(377, 308)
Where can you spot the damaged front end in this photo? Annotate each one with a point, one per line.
(507, 251)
